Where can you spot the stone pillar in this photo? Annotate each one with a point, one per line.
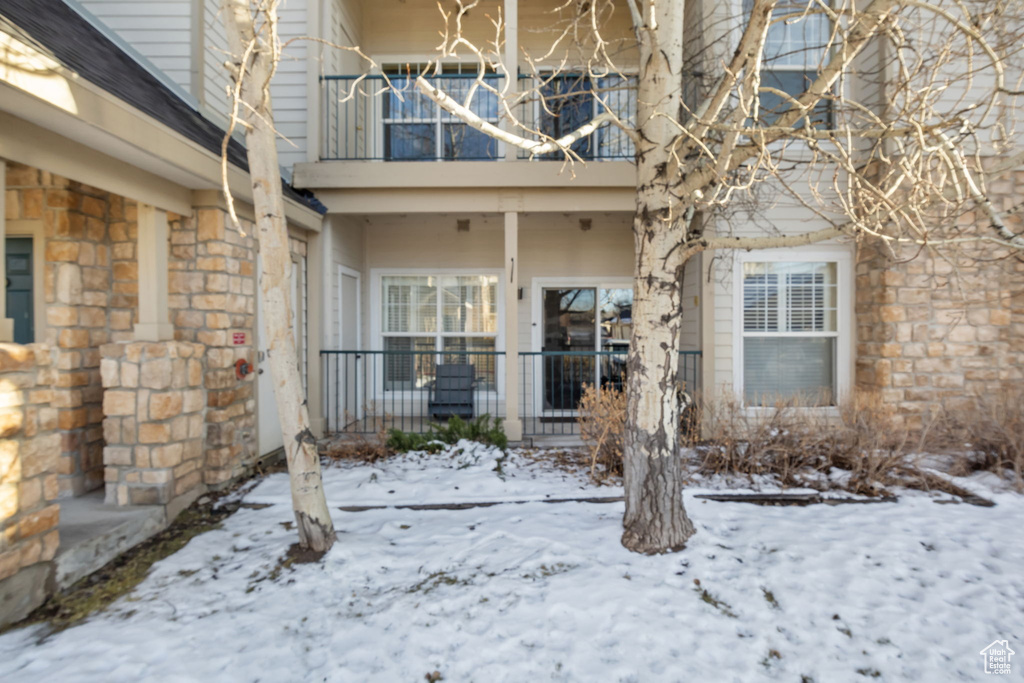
(29, 458)
(154, 318)
(6, 324)
(153, 423)
(513, 423)
(213, 298)
(511, 61)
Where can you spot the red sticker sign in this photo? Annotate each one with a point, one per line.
(238, 338)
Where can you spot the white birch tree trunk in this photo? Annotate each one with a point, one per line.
(655, 520)
(253, 60)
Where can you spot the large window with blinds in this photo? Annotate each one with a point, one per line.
(430, 319)
(790, 332)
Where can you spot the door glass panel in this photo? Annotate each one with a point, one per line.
(570, 325)
(616, 330)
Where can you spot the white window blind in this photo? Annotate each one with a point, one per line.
(466, 306)
(789, 332)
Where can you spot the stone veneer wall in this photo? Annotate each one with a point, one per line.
(213, 302)
(90, 284)
(932, 332)
(153, 401)
(29, 451)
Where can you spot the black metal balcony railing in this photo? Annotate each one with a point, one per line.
(552, 383)
(377, 118)
(365, 391)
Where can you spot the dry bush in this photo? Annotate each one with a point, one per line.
(362, 447)
(789, 442)
(796, 445)
(602, 419)
(986, 433)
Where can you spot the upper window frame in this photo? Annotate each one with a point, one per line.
(440, 118)
(806, 68)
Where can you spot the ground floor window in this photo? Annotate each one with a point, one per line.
(430, 319)
(790, 332)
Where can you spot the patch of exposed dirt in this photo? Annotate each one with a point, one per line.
(298, 555)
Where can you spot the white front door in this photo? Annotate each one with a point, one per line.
(343, 368)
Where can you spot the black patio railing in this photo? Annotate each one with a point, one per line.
(373, 117)
(552, 384)
(366, 391)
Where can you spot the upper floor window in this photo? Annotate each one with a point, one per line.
(416, 129)
(568, 101)
(794, 52)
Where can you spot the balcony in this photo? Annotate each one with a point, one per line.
(367, 390)
(385, 118)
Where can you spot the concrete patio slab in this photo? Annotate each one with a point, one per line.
(93, 533)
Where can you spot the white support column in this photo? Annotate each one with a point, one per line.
(152, 247)
(511, 63)
(513, 423)
(6, 324)
(707, 328)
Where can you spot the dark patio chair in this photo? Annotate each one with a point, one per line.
(451, 392)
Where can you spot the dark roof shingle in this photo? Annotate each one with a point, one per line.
(74, 42)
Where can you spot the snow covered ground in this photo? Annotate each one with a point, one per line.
(537, 591)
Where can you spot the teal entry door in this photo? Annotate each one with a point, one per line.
(20, 300)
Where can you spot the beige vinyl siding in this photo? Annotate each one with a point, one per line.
(722, 286)
(398, 27)
(288, 88)
(159, 30)
(343, 28)
(215, 53)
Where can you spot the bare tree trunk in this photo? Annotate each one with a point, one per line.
(316, 531)
(655, 520)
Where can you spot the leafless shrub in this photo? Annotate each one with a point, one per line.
(986, 433)
(861, 448)
(362, 447)
(796, 445)
(602, 420)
